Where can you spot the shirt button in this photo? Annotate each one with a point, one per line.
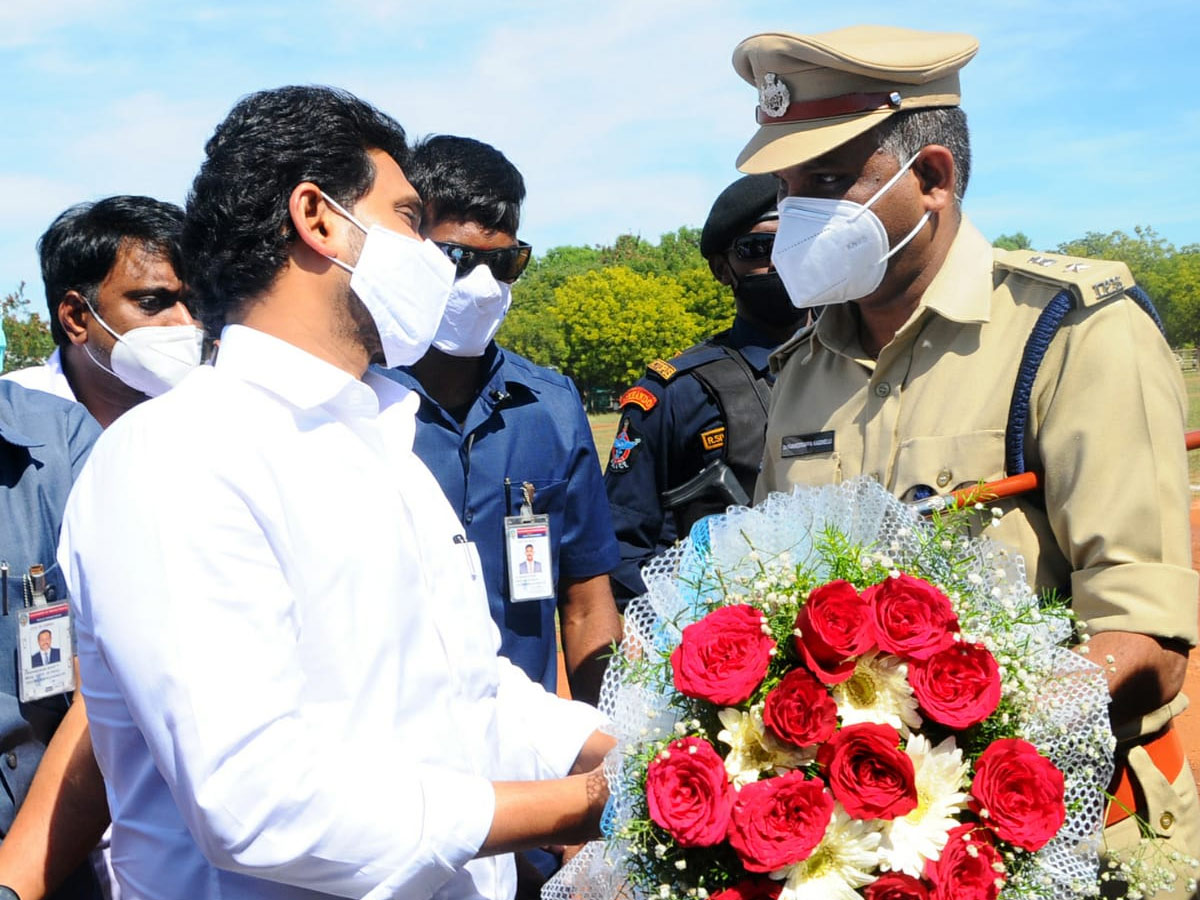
(1166, 820)
(468, 517)
(944, 477)
(882, 389)
(10, 759)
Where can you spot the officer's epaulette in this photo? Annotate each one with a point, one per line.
(781, 353)
(1092, 281)
(690, 358)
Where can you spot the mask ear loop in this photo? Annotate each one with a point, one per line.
(887, 185)
(345, 212)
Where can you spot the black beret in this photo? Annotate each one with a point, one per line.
(737, 209)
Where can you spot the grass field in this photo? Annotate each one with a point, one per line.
(604, 426)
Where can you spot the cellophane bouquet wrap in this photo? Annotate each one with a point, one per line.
(828, 697)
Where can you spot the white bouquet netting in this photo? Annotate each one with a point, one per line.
(1062, 697)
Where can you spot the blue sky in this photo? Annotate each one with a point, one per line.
(623, 116)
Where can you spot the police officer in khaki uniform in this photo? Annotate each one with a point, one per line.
(690, 437)
(923, 375)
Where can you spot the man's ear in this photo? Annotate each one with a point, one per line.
(718, 264)
(72, 313)
(936, 173)
(313, 219)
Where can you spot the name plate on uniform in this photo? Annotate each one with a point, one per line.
(806, 444)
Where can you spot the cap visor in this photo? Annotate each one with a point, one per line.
(776, 147)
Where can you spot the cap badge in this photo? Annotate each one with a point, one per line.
(773, 96)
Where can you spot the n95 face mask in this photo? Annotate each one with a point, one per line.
(151, 358)
(404, 283)
(831, 251)
(477, 306)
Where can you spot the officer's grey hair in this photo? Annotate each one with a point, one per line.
(905, 133)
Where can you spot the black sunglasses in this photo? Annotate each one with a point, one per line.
(506, 264)
(753, 247)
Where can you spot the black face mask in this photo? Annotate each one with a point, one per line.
(765, 298)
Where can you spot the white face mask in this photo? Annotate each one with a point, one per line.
(831, 251)
(151, 358)
(478, 304)
(404, 284)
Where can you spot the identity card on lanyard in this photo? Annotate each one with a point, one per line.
(527, 549)
(45, 642)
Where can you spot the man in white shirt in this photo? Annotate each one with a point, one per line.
(111, 274)
(276, 494)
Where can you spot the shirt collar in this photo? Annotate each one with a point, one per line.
(17, 438)
(297, 377)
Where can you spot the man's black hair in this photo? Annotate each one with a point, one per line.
(80, 246)
(905, 133)
(237, 228)
(465, 180)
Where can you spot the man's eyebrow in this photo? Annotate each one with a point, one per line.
(157, 290)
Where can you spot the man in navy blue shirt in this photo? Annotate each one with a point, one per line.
(497, 430)
(44, 441)
(690, 439)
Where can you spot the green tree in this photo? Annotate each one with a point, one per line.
(615, 320)
(1017, 241)
(29, 340)
(707, 299)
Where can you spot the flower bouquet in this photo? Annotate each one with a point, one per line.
(828, 697)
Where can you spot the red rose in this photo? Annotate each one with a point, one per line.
(723, 657)
(958, 687)
(688, 793)
(963, 874)
(799, 710)
(779, 821)
(1021, 791)
(913, 619)
(835, 626)
(896, 886)
(750, 889)
(869, 773)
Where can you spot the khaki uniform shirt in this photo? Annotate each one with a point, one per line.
(1110, 527)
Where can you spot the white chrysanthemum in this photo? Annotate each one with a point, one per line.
(878, 692)
(846, 859)
(940, 776)
(753, 750)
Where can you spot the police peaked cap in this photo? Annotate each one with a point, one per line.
(818, 91)
(739, 206)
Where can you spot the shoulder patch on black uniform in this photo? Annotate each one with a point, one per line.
(640, 397)
(662, 369)
(1092, 281)
(713, 439)
(624, 444)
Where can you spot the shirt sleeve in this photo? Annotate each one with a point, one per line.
(1110, 439)
(541, 734)
(202, 650)
(634, 480)
(588, 546)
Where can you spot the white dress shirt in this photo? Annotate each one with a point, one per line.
(289, 665)
(48, 377)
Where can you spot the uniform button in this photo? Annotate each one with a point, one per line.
(10, 759)
(1166, 820)
(944, 477)
(468, 517)
(882, 389)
